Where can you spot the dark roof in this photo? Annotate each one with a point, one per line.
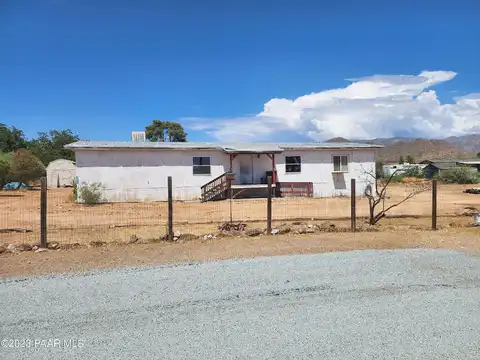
(443, 165)
(474, 161)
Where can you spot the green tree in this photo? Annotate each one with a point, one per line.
(50, 146)
(410, 159)
(161, 131)
(478, 154)
(11, 139)
(4, 172)
(401, 160)
(25, 167)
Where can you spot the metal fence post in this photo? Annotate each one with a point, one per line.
(170, 209)
(269, 205)
(43, 213)
(353, 206)
(434, 204)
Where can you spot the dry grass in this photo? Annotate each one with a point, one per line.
(71, 223)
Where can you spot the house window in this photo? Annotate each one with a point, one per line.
(293, 164)
(340, 163)
(201, 165)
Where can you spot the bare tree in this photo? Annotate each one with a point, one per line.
(378, 196)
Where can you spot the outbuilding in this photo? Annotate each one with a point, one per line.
(436, 167)
(138, 171)
(60, 173)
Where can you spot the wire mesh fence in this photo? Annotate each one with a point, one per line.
(69, 222)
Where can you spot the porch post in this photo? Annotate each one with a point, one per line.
(231, 162)
(274, 175)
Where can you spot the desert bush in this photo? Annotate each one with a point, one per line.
(25, 167)
(90, 194)
(414, 172)
(397, 178)
(74, 195)
(459, 175)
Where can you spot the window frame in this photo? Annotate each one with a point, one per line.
(293, 164)
(202, 166)
(341, 170)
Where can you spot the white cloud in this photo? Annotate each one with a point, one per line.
(375, 106)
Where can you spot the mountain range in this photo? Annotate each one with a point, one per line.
(467, 146)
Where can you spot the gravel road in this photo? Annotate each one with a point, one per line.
(402, 304)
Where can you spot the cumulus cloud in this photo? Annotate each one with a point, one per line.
(375, 106)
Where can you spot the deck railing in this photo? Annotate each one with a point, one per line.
(287, 189)
(216, 189)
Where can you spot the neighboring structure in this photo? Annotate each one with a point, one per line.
(136, 171)
(60, 173)
(435, 167)
(399, 169)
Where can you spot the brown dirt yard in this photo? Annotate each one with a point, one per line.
(70, 223)
(393, 234)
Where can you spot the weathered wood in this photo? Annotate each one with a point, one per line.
(434, 204)
(170, 209)
(43, 213)
(215, 188)
(353, 209)
(304, 189)
(269, 205)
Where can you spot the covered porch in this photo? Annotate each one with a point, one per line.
(251, 169)
(247, 175)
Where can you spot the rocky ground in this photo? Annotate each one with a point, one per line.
(225, 230)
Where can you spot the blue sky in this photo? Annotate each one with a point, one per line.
(241, 70)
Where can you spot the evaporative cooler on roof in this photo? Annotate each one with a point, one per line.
(138, 136)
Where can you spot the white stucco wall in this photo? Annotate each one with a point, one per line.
(317, 167)
(138, 175)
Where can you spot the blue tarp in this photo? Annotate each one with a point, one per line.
(15, 186)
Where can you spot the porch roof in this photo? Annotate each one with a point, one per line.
(252, 148)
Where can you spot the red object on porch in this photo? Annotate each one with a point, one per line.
(301, 189)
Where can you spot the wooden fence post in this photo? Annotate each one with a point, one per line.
(269, 205)
(230, 200)
(434, 204)
(43, 213)
(353, 205)
(170, 209)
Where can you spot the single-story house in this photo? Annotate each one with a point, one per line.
(435, 167)
(138, 171)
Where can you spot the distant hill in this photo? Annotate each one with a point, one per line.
(422, 149)
(469, 143)
(336, 139)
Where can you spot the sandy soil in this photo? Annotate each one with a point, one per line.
(394, 234)
(69, 222)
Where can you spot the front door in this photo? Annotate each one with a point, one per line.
(246, 169)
